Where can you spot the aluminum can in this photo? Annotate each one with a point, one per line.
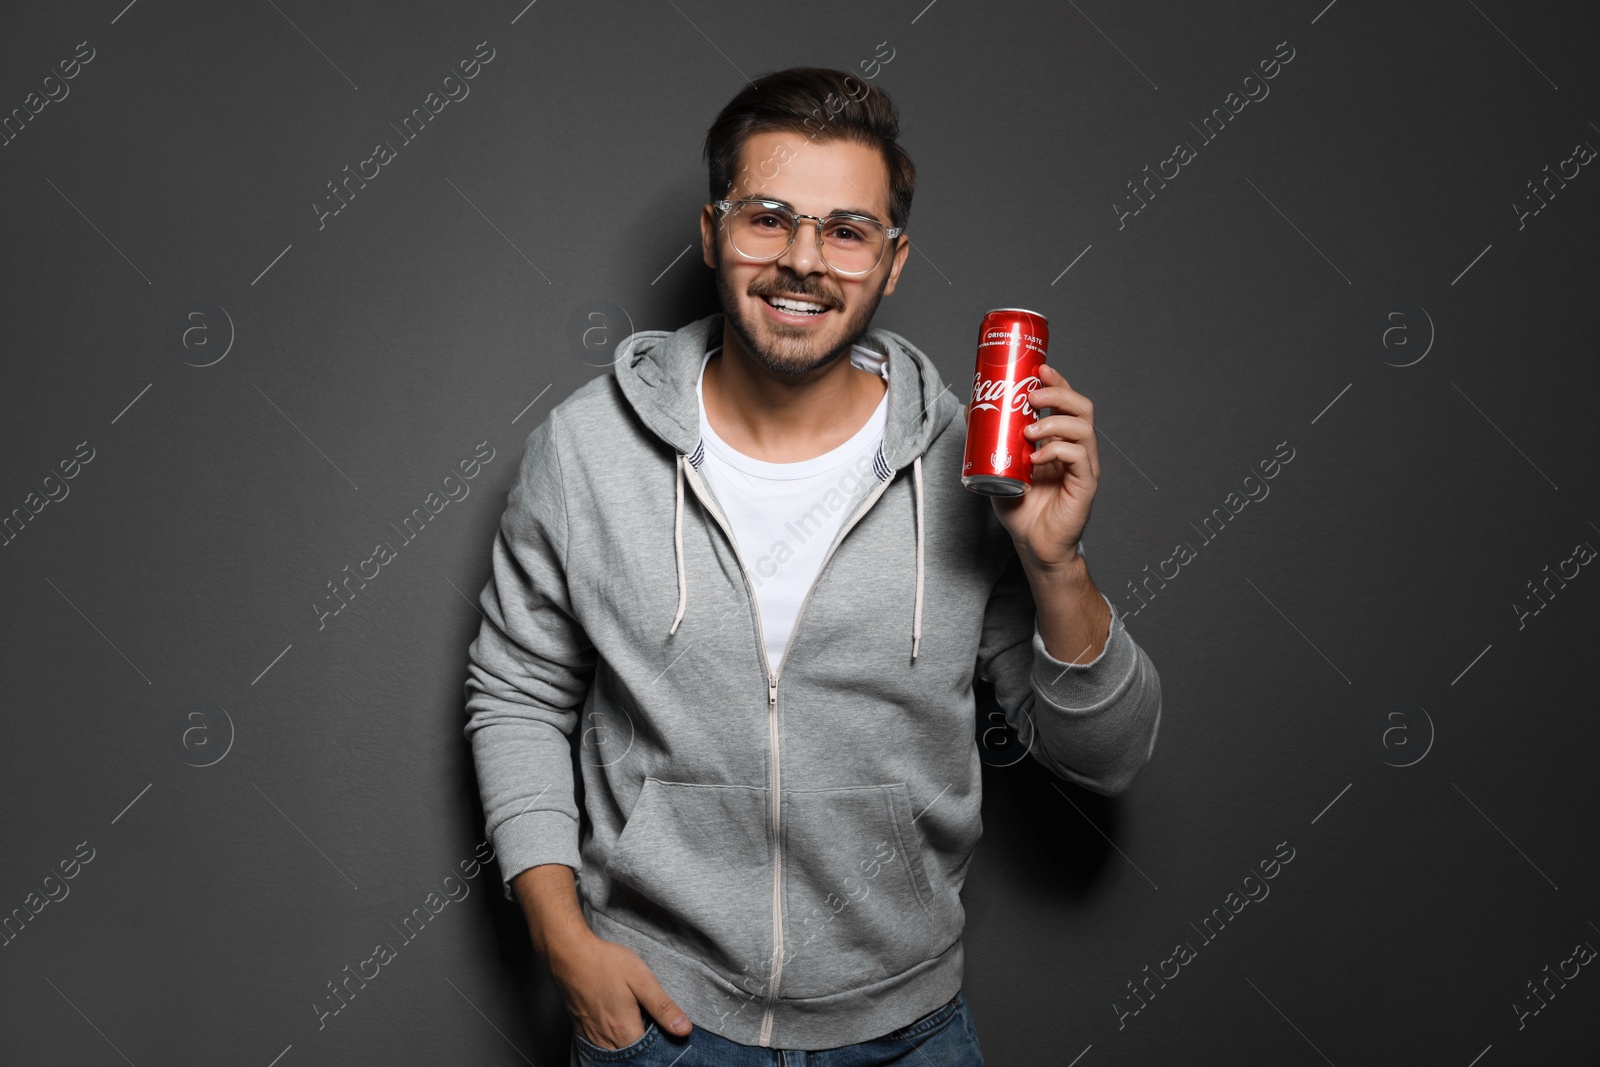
(1012, 344)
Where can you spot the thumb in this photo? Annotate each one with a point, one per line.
(661, 1007)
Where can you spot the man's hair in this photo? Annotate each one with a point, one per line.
(797, 100)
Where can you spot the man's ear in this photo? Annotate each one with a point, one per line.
(902, 249)
(708, 236)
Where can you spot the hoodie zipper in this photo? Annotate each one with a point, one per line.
(772, 713)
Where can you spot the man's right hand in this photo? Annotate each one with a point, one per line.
(605, 985)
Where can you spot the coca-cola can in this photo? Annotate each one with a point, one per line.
(1012, 344)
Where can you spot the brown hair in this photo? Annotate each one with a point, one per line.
(823, 104)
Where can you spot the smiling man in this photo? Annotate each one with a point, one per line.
(740, 575)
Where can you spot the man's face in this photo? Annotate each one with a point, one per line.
(813, 179)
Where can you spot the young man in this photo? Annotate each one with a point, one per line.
(745, 565)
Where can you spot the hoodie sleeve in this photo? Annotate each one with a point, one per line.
(1091, 723)
(528, 673)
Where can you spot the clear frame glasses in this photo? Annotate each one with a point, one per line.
(763, 230)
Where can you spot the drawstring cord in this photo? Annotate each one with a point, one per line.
(916, 618)
(677, 540)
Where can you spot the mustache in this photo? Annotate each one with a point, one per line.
(817, 296)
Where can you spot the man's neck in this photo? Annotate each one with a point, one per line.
(778, 421)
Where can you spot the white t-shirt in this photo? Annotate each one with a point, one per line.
(786, 515)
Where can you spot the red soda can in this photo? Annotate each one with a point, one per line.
(1012, 343)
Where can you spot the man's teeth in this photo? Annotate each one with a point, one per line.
(801, 306)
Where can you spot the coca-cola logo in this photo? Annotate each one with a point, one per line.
(995, 393)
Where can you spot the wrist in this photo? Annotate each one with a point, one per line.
(548, 894)
(564, 942)
(1073, 618)
(1069, 573)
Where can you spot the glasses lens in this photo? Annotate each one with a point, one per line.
(851, 245)
(762, 231)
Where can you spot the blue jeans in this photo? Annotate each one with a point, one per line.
(945, 1037)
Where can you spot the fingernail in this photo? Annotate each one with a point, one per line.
(680, 1022)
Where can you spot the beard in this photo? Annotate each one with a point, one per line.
(793, 352)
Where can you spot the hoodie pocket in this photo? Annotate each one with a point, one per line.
(859, 904)
(692, 869)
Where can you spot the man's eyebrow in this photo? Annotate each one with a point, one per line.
(867, 212)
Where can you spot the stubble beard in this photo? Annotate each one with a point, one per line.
(793, 354)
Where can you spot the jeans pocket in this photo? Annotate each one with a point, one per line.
(935, 1020)
(859, 905)
(945, 1037)
(589, 1052)
(692, 869)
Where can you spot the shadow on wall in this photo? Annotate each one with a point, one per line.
(499, 938)
(688, 290)
(1031, 834)
(540, 1024)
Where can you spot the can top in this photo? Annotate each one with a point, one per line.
(1025, 311)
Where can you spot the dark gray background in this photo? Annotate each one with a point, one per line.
(1244, 307)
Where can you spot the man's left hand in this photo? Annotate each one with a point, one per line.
(1047, 521)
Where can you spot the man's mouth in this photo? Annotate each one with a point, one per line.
(794, 305)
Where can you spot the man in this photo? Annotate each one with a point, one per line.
(746, 564)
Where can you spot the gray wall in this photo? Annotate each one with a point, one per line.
(249, 794)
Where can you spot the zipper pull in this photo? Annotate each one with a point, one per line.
(772, 693)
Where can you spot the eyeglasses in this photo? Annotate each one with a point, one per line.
(763, 230)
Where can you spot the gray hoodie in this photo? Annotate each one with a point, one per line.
(784, 845)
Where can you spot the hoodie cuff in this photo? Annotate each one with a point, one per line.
(532, 838)
(1086, 687)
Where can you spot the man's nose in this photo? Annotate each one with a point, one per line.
(804, 254)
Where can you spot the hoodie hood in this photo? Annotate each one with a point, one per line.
(658, 372)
